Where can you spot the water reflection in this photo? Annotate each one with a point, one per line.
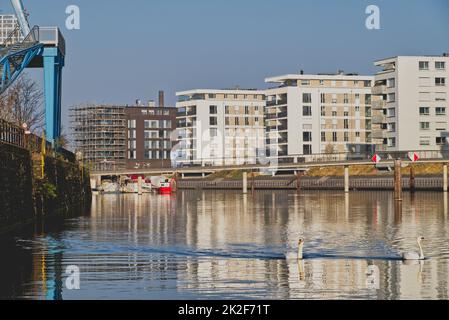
(228, 245)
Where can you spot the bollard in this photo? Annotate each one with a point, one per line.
(397, 180)
(445, 186)
(347, 179)
(245, 183)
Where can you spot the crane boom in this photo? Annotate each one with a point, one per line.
(21, 17)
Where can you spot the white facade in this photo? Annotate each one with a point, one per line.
(311, 114)
(220, 127)
(412, 94)
(8, 23)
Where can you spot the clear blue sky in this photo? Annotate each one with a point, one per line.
(128, 49)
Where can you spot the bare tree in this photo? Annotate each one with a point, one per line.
(23, 103)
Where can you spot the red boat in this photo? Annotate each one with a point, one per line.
(165, 188)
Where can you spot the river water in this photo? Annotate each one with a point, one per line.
(214, 245)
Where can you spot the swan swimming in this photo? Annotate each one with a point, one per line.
(414, 255)
(300, 248)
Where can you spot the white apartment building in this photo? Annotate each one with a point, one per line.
(411, 103)
(220, 127)
(8, 23)
(310, 114)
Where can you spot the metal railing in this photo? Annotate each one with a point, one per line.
(52, 36)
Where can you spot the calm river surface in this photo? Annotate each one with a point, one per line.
(213, 245)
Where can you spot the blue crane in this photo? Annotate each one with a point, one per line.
(37, 47)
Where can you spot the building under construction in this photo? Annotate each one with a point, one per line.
(100, 134)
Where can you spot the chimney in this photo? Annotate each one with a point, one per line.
(161, 99)
(301, 72)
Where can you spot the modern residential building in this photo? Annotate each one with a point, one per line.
(99, 132)
(149, 134)
(324, 113)
(217, 127)
(8, 23)
(411, 103)
(118, 137)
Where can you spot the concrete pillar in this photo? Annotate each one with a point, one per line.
(245, 183)
(346, 179)
(397, 180)
(139, 185)
(445, 186)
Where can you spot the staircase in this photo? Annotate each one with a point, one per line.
(15, 55)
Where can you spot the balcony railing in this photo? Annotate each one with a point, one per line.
(380, 89)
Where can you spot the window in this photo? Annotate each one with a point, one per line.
(424, 125)
(334, 137)
(357, 109)
(424, 82)
(213, 109)
(153, 134)
(440, 96)
(346, 124)
(246, 121)
(440, 82)
(391, 127)
(213, 132)
(424, 141)
(424, 65)
(391, 142)
(246, 110)
(151, 124)
(391, 112)
(346, 98)
(424, 96)
(424, 111)
(391, 97)
(440, 111)
(346, 113)
(367, 99)
(441, 126)
(212, 96)
(307, 136)
(131, 124)
(346, 136)
(321, 82)
(213, 121)
(440, 65)
(131, 134)
(323, 98)
(357, 134)
(323, 111)
(367, 83)
(334, 113)
(441, 140)
(323, 136)
(307, 111)
(307, 98)
(237, 121)
(307, 149)
(305, 82)
(227, 109)
(391, 83)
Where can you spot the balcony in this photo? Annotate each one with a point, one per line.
(378, 90)
(379, 104)
(378, 119)
(380, 134)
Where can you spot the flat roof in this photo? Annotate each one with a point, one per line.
(219, 91)
(283, 78)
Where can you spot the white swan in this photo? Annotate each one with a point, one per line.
(415, 255)
(300, 248)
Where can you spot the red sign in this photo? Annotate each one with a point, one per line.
(376, 158)
(413, 156)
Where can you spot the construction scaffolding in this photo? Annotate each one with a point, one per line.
(100, 134)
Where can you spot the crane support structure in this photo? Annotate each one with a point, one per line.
(41, 47)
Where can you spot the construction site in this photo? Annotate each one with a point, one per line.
(99, 132)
